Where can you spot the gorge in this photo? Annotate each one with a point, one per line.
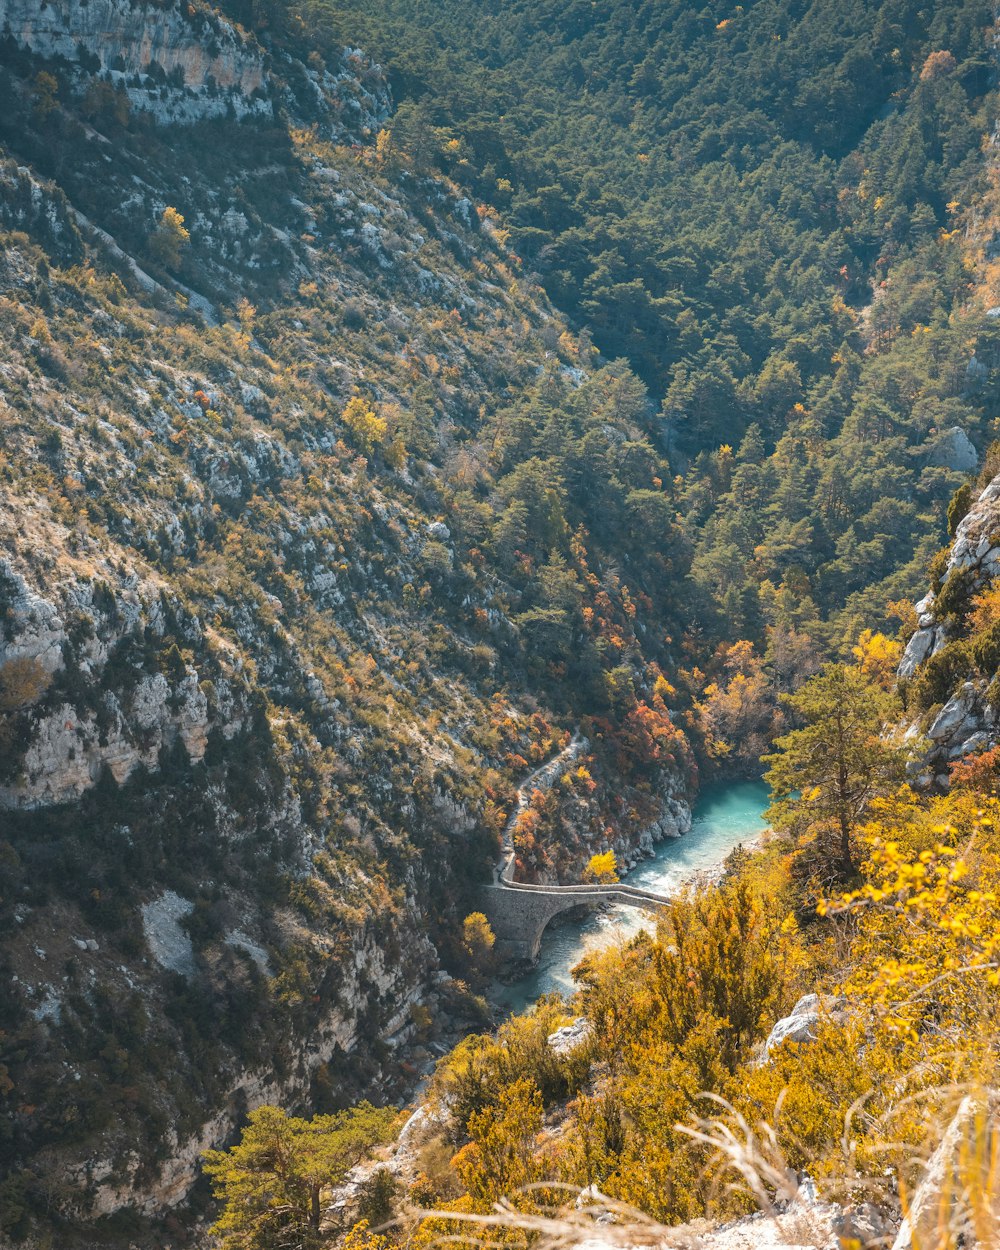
(396, 399)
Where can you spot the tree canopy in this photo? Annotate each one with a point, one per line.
(272, 1181)
(824, 774)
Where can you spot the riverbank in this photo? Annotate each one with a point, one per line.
(724, 818)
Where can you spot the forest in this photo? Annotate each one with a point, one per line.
(781, 218)
(768, 212)
(491, 376)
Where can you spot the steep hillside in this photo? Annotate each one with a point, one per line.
(319, 531)
(331, 508)
(949, 669)
(767, 209)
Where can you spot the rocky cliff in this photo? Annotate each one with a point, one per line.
(294, 588)
(184, 63)
(950, 664)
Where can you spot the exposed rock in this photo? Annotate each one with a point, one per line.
(919, 648)
(943, 1188)
(570, 1036)
(966, 722)
(953, 450)
(802, 1222)
(806, 1016)
(925, 610)
(67, 747)
(185, 63)
(957, 716)
(170, 945)
(152, 46)
(369, 977)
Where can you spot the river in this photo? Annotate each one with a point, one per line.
(724, 816)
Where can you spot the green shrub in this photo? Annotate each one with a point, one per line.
(953, 664)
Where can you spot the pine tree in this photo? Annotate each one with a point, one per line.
(824, 774)
(272, 1181)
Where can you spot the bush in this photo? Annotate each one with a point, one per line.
(944, 671)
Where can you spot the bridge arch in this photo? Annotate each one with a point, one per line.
(519, 914)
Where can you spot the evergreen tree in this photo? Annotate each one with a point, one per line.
(825, 773)
(272, 1181)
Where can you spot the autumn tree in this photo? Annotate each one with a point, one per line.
(367, 428)
(824, 774)
(478, 941)
(499, 1160)
(602, 869)
(740, 711)
(271, 1183)
(170, 238)
(878, 657)
(383, 149)
(22, 682)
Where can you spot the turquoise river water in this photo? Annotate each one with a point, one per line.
(724, 817)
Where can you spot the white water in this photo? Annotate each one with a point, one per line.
(724, 817)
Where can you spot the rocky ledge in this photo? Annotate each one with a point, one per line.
(184, 63)
(967, 721)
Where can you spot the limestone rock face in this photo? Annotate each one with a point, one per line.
(66, 742)
(184, 63)
(958, 718)
(953, 450)
(672, 821)
(966, 721)
(147, 41)
(806, 1016)
(369, 977)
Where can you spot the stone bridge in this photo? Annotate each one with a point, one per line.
(518, 913)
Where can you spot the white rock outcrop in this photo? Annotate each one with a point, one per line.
(123, 722)
(186, 63)
(571, 1036)
(966, 721)
(952, 449)
(206, 66)
(805, 1019)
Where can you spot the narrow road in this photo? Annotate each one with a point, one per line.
(541, 778)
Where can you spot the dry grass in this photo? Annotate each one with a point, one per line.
(954, 1203)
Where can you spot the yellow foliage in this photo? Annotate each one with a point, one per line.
(368, 429)
(985, 609)
(878, 657)
(602, 868)
(383, 148)
(170, 237)
(361, 1237)
(478, 937)
(22, 682)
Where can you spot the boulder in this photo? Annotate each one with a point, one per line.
(940, 1192)
(925, 610)
(956, 715)
(806, 1016)
(953, 450)
(570, 1036)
